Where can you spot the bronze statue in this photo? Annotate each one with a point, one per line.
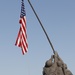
(55, 66)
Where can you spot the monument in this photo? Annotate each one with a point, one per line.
(56, 66)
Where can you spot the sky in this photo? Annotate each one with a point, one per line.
(58, 19)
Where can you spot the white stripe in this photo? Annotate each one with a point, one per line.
(24, 43)
(24, 34)
(19, 39)
(23, 30)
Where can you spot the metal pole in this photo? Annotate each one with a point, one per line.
(42, 27)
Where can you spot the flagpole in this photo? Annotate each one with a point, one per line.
(42, 27)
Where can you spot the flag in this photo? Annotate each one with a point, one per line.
(21, 40)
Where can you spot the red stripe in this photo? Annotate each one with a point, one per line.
(24, 32)
(23, 25)
(25, 40)
(22, 36)
(19, 36)
(23, 47)
(22, 43)
(24, 19)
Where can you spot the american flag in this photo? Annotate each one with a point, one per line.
(21, 40)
